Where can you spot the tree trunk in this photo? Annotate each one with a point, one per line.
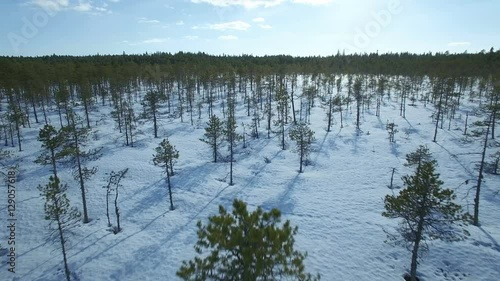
(437, 117)
(107, 207)
(63, 247)
(293, 106)
(117, 212)
(358, 107)
(44, 112)
(329, 114)
(80, 177)
(231, 143)
(18, 131)
(34, 109)
(154, 122)
(86, 107)
(480, 176)
(170, 191)
(301, 154)
(215, 148)
(466, 119)
(53, 160)
(414, 254)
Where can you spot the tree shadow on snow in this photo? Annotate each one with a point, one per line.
(283, 202)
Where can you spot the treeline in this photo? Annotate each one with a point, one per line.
(437, 64)
(240, 96)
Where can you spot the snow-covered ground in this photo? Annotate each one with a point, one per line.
(336, 203)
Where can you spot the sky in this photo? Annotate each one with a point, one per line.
(255, 27)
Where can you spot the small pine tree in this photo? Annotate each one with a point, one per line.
(420, 156)
(281, 99)
(214, 133)
(151, 103)
(165, 157)
(427, 211)
(494, 165)
(245, 246)
(52, 142)
(303, 137)
(391, 129)
(75, 138)
(58, 211)
(231, 136)
(16, 117)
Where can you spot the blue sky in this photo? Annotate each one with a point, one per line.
(258, 27)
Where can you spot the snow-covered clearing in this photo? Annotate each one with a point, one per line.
(336, 203)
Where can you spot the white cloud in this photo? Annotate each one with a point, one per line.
(265, 26)
(86, 6)
(146, 41)
(179, 22)
(146, 20)
(191, 37)
(249, 4)
(312, 2)
(83, 7)
(258, 20)
(458, 44)
(228, 37)
(154, 41)
(50, 5)
(114, 1)
(232, 25)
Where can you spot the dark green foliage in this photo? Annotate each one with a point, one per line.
(303, 137)
(358, 96)
(16, 117)
(57, 204)
(52, 142)
(59, 212)
(494, 165)
(246, 246)
(214, 133)
(391, 129)
(165, 157)
(281, 99)
(151, 104)
(421, 155)
(75, 137)
(427, 211)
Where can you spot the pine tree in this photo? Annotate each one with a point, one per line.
(303, 137)
(151, 104)
(281, 99)
(358, 96)
(230, 132)
(165, 157)
(245, 246)
(74, 138)
(58, 211)
(427, 212)
(420, 156)
(391, 129)
(16, 118)
(214, 133)
(52, 141)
